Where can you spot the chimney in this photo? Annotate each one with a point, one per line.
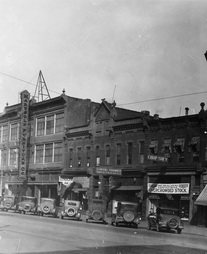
(186, 111)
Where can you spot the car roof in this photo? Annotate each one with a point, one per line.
(168, 208)
(128, 203)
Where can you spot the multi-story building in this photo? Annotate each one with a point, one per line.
(109, 151)
(98, 153)
(177, 171)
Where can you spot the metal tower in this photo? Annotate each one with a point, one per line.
(41, 91)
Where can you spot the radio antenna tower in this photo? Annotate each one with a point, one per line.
(41, 91)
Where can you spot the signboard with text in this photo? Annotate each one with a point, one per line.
(157, 158)
(25, 97)
(174, 188)
(108, 171)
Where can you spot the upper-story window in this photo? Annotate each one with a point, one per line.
(98, 158)
(13, 156)
(5, 133)
(14, 131)
(129, 152)
(51, 124)
(48, 153)
(79, 156)
(153, 147)
(108, 154)
(194, 147)
(167, 149)
(179, 146)
(88, 156)
(141, 151)
(3, 157)
(58, 152)
(70, 157)
(118, 154)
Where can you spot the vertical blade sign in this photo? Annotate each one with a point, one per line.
(25, 97)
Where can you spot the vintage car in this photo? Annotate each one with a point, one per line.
(8, 203)
(165, 219)
(47, 206)
(126, 214)
(96, 212)
(71, 209)
(27, 204)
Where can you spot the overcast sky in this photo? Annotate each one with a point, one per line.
(130, 51)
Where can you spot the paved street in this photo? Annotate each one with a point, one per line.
(32, 234)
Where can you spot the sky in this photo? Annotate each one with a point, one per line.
(144, 54)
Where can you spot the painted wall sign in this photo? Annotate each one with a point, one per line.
(25, 97)
(108, 171)
(157, 158)
(174, 188)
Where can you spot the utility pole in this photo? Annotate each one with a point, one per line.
(41, 91)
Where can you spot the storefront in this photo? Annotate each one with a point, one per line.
(173, 188)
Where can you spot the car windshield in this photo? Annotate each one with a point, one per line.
(169, 211)
(8, 198)
(129, 207)
(51, 201)
(72, 203)
(28, 199)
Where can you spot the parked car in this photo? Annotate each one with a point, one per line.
(27, 205)
(8, 202)
(47, 206)
(96, 212)
(71, 209)
(165, 219)
(126, 214)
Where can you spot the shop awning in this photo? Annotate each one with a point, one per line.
(129, 188)
(202, 198)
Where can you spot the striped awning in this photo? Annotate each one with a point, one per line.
(202, 198)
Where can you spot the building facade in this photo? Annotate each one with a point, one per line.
(100, 154)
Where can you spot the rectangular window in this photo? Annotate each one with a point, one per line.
(118, 154)
(59, 124)
(141, 151)
(79, 156)
(3, 157)
(48, 152)
(40, 126)
(13, 156)
(50, 125)
(98, 158)
(71, 157)
(5, 133)
(14, 131)
(58, 152)
(129, 153)
(39, 153)
(108, 154)
(88, 156)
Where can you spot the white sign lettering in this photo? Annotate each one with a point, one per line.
(174, 188)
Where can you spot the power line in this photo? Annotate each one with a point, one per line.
(24, 81)
(163, 98)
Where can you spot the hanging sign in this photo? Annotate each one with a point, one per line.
(174, 188)
(65, 181)
(25, 97)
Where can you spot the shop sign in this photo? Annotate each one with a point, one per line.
(174, 188)
(65, 181)
(25, 97)
(157, 158)
(108, 171)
